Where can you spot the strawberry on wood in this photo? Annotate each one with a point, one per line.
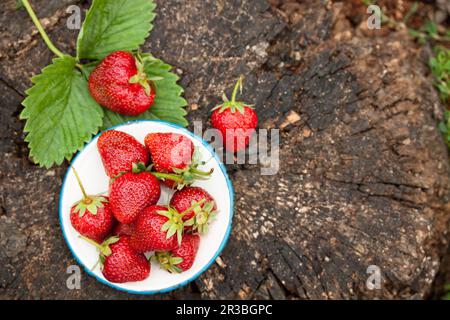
(235, 120)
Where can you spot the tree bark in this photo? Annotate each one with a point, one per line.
(363, 174)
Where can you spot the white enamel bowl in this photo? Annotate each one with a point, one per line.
(90, 169)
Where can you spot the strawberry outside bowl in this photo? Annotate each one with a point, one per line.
(89, 166)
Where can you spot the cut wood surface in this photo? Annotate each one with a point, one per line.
(363, 176)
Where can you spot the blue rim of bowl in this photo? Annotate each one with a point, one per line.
(195, 276)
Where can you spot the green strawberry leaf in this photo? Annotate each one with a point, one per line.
(168, 104)
(61, 115)
(113, 25)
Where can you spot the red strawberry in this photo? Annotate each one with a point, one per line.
(119, 151)
(169, 150)
(236, 127)
(120, 262)
(199, 216)
(120, 84)
(148, 234)
(174, 159)
(92, 216)
(181, 258)
(131, 192)
(123, 229)
(159, 228)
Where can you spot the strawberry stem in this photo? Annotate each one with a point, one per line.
(237, 87)
(99, 247)
(202, 173)
(195, 205)
(104, 248)
(41, 30)
(86, 198)
(95, 265)
(169, 176)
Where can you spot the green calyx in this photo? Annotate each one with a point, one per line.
(88, 202)
(181, 177)
(187, 176)
(141, 76)
(175, 223)
(168, 261)
(202, 216)
(192, 173)
(140, 167)
(232, 104)
(137, 167)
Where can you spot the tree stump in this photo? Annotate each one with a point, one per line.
(363, 174)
